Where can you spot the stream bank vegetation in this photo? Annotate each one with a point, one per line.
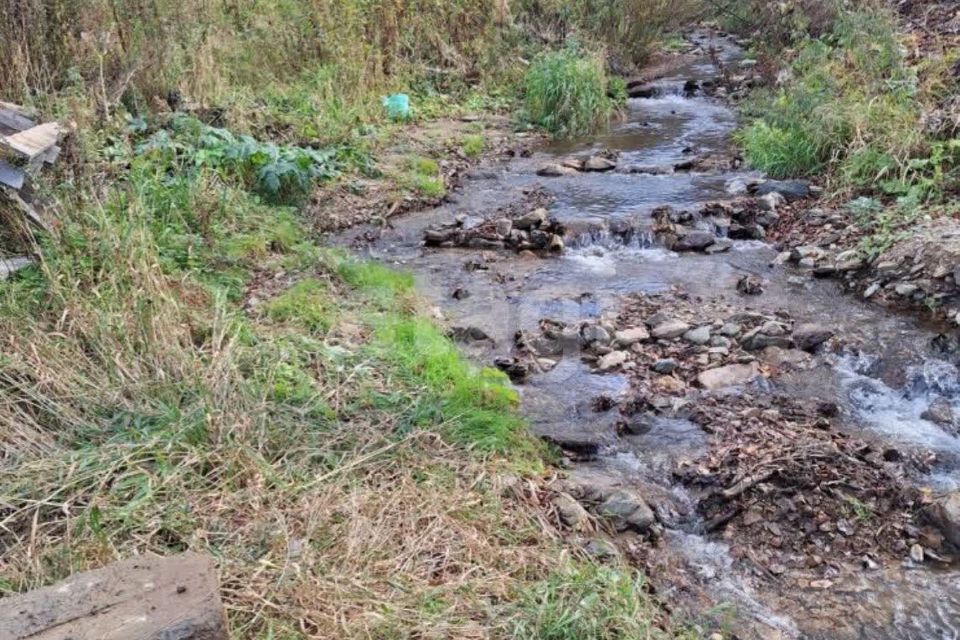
(864, 101)
(186, 368)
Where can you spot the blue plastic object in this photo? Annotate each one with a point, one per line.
(397, 106)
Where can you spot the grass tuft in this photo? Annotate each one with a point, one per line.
(566, 92)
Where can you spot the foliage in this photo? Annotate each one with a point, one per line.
(283, 174)
(566, 92)
(852, 107)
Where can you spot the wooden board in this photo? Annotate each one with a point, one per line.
(11, 176)
(173, 598)
(13, 119)
(31, 143)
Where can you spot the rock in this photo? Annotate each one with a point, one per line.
(599, 163)
(807, 252)
(729, 376)
(695, 240)
(773, 328)
(767, 219)
(665, 366)
(916, 553)
(945, 515)
(638, 424)
(871, 291)
(594, 333)
(572, 163)
(790, 189)
(940, 412)
(469, 334)
(719, 246)
(515, 370)
(771, 201)
(571, 512)
(810, 336)
(730, 329)
(460, 294)
(556, 244)
(700, 335)
(669, 329)
(756, 340)
(554, 171)
(631, 336)
(612, 360)
(906, 289)
(601, 549)
(750, 285)
(530, 220)
(627, 510)
(504, 226)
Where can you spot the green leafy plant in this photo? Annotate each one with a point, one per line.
(282, 174)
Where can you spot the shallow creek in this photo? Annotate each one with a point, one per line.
(883, 382)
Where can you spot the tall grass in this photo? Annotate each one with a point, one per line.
(566, 92)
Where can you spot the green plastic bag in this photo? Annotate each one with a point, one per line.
(397, 106)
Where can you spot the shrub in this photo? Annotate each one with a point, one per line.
(566, 92)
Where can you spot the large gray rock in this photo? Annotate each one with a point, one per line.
(789, 189)
(633, 335)
(628, 510)
(669, 329)
(700, 335)
(695, 240)
(599, 163)
(945, 514)
(532, 219)
(729, 376)
(757, 341)
(810, 336)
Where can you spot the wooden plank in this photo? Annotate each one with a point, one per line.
(174, 598)
(31, 143)
(11, 176)
(14, 118)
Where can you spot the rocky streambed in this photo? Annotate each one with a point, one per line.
(781, 458)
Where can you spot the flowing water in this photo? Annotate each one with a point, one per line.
(886, 379)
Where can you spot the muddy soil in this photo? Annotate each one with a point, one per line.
(766, 447)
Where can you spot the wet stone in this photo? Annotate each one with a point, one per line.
(728, 376)
(627, 510)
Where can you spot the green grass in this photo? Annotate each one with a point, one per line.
(590, 602)
(565, 92)
(307, 303)
(473, 145)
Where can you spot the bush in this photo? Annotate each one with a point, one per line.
(566, 92)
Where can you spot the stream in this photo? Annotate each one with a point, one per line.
(883, 380)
